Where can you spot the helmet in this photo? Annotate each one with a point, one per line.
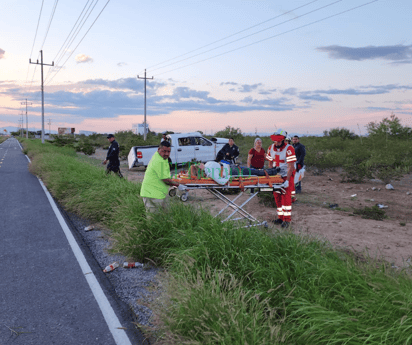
(279, 135)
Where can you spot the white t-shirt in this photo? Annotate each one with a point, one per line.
(213, 169)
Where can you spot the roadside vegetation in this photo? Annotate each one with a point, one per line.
(230, 285)
(3, 138)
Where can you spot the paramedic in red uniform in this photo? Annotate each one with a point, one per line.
(282, 155)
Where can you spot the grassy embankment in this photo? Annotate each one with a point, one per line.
(232, 285)
(2, 138)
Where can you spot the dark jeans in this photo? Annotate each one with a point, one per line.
(115, 168)
(298, 187)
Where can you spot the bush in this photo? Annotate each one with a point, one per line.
(389, 127)
(229, 132)
(373, 212)
(342, 133)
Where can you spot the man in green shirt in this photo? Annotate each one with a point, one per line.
(156, 182)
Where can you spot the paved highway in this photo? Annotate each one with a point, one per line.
(49, 293)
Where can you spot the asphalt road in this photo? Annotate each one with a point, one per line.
(48, 295)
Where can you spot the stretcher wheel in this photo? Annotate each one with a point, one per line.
(183, 197)
(265, 224)
(172, 192)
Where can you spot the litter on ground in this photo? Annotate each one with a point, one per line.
(111, 267)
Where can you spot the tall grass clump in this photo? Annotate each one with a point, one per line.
(234, 285)
(320, 295)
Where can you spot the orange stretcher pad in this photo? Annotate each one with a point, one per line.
(234, 181)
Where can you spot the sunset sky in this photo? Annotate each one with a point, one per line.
(257, 65)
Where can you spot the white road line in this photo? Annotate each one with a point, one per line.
(119, 335)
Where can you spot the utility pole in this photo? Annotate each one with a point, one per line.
(21, 125)
(42, 91)
(27, 121)
(49, 127)
(145, 123)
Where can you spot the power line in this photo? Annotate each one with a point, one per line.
(34, 40)
(55, 58)
(75, 34)
(80, 41)
(252, 34)
(50, 21)
(236, 33)
(38, 21)
(268, 38)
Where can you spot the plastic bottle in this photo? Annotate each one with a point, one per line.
(132, 264)
(111, 267)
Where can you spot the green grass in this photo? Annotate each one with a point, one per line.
(231, 285)
(373, 212)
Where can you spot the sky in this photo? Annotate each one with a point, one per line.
(257, 65)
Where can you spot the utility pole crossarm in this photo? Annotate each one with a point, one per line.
(145, 124)
(42, 91)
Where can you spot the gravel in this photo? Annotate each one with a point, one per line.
(129, 284)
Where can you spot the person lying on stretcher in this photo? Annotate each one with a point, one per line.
(221, 172)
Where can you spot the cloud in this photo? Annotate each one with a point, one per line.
(2, 53)
(291, 91)
(81, 58)
(124, 83)
(397, 53)
(121, 64)
(108, 99)
(104, 99)
(249, 88)
(320, 95)
(366, 90)
(310, 96)
(228, 83)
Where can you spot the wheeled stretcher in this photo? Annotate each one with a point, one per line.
(256, 184)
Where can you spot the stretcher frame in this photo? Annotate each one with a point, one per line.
(215, 190)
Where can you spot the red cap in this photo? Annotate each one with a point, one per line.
(275, 137)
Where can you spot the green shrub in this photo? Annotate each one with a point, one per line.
(373, 212)
(342, 133)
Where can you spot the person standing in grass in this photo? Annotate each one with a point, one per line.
(113, 157)
(156, 182)
(282, 155)
(256, 156)
(300, 152)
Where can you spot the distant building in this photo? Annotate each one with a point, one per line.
(138, 128)
(86, 133)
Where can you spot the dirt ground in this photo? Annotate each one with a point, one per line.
(389, 240)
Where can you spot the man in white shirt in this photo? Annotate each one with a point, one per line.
(219, 172)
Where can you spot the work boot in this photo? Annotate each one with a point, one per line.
(285, 225)
(277, 221)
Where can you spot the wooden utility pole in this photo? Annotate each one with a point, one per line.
(27, 121)
(145, 123)
(42, 91)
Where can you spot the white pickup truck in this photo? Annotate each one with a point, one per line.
(185, 148)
